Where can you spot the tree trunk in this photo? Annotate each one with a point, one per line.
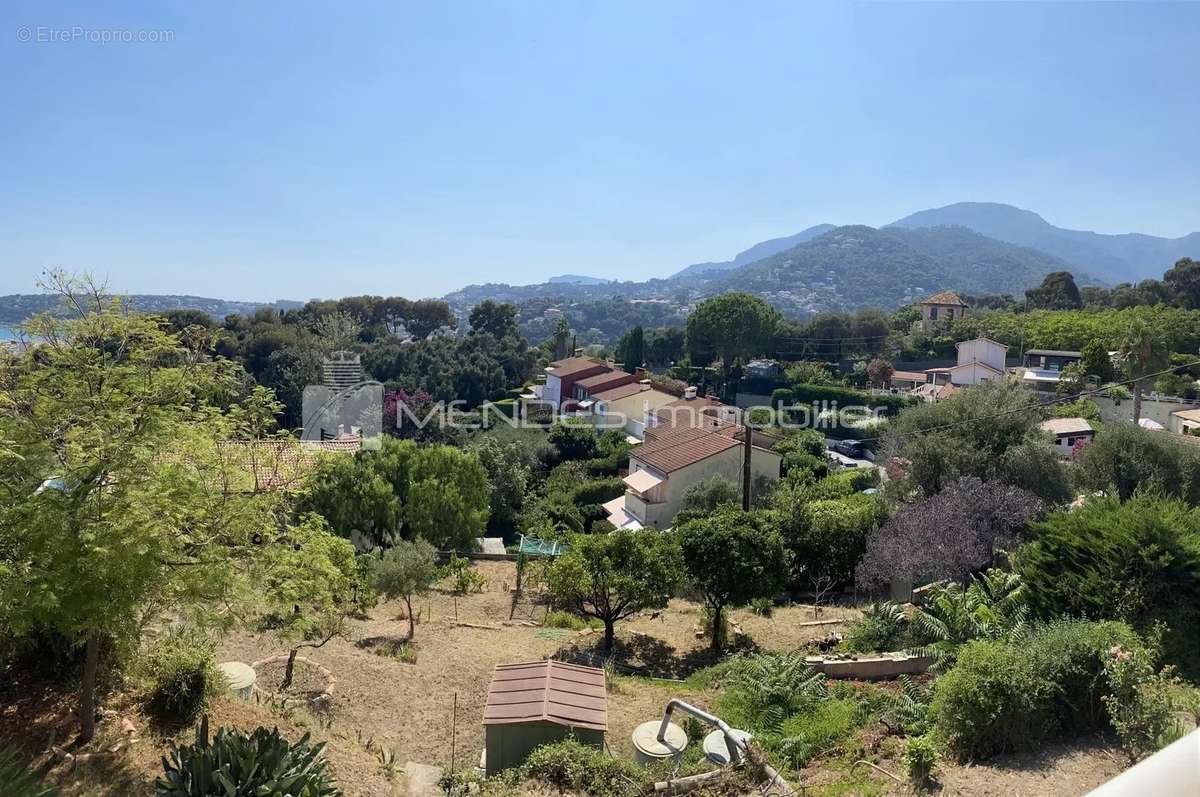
(716, 629)
(608, 634)
(412, 625)
(290, 672)
(87, 696)
(1137, 401)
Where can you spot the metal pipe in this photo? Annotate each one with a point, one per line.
(735, 745)
(737, 748)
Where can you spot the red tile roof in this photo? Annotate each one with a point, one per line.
(909, 376)
(575, 365)
(945, 297)
(613, 394)
(609, 379)
(672, 449)
(547, 691)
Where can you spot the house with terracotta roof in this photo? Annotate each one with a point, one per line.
(561, 376)
(681, 449)
(940, 309)
(625, 407)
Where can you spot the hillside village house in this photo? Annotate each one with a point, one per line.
(940, 309)
(1070, 434)
(687, 441)
(1043, 368)
(629, 404)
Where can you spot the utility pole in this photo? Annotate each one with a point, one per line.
(747, 445)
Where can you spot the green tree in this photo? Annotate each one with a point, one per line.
(730, 326)
(707, 494)
(116, 505)
(991, 431)
(733, 557)
(508, 480)
(561, 339)
(1057, 292)
(309, 578)
(447, 497)
(1183, 281)
(1124, 459)
(494, 318)
(631, 349)
(612, 576)
(574, 440)
(404, 572)
(1096, 361)
(437, 492)
(1144, 352)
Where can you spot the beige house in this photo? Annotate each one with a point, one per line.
(678, 454)
(979, 360)
(627, 407)
(1185, 422)
(940, 309)
(1070, 434)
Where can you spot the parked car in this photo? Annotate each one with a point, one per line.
(850, 448)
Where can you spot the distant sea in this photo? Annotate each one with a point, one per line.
(7, 333)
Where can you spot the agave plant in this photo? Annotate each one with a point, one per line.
(991, 606)
(235, 764)
(17, 781)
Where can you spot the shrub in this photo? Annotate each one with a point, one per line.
(462, 577)
(1138, 562)
(17, 781)
(882, 627)
(1071, 654)
(993, 701)
(567, 620)
(572, 767)
(1055, 681)
(1139, 703)
(262, 762)
(597, 491)
(920, 759)
(812, 732)
(182, 674)
(826, 538)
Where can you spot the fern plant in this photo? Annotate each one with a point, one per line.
(991, 606)
(763, 690)
(907, 710)
(235, 764)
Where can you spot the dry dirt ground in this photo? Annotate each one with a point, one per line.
(385, 712)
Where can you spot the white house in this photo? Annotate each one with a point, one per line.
(979, 360)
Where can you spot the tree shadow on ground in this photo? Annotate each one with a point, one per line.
(642, 654)
(39, 715)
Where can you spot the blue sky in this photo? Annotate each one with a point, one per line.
(295, 150)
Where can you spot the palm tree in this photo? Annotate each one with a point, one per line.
(1144, 351)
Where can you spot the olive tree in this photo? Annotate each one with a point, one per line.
(407, 571)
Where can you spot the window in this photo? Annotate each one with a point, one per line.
(1070, 442)
(933, 314)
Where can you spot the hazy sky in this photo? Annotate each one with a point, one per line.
(295, 150)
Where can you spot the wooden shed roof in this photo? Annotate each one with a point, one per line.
(547, 691)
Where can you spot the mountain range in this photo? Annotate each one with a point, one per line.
(1128, 257)
(974, 247)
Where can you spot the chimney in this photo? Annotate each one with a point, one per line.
(689, 392)
(639, 372)
(649, 418)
